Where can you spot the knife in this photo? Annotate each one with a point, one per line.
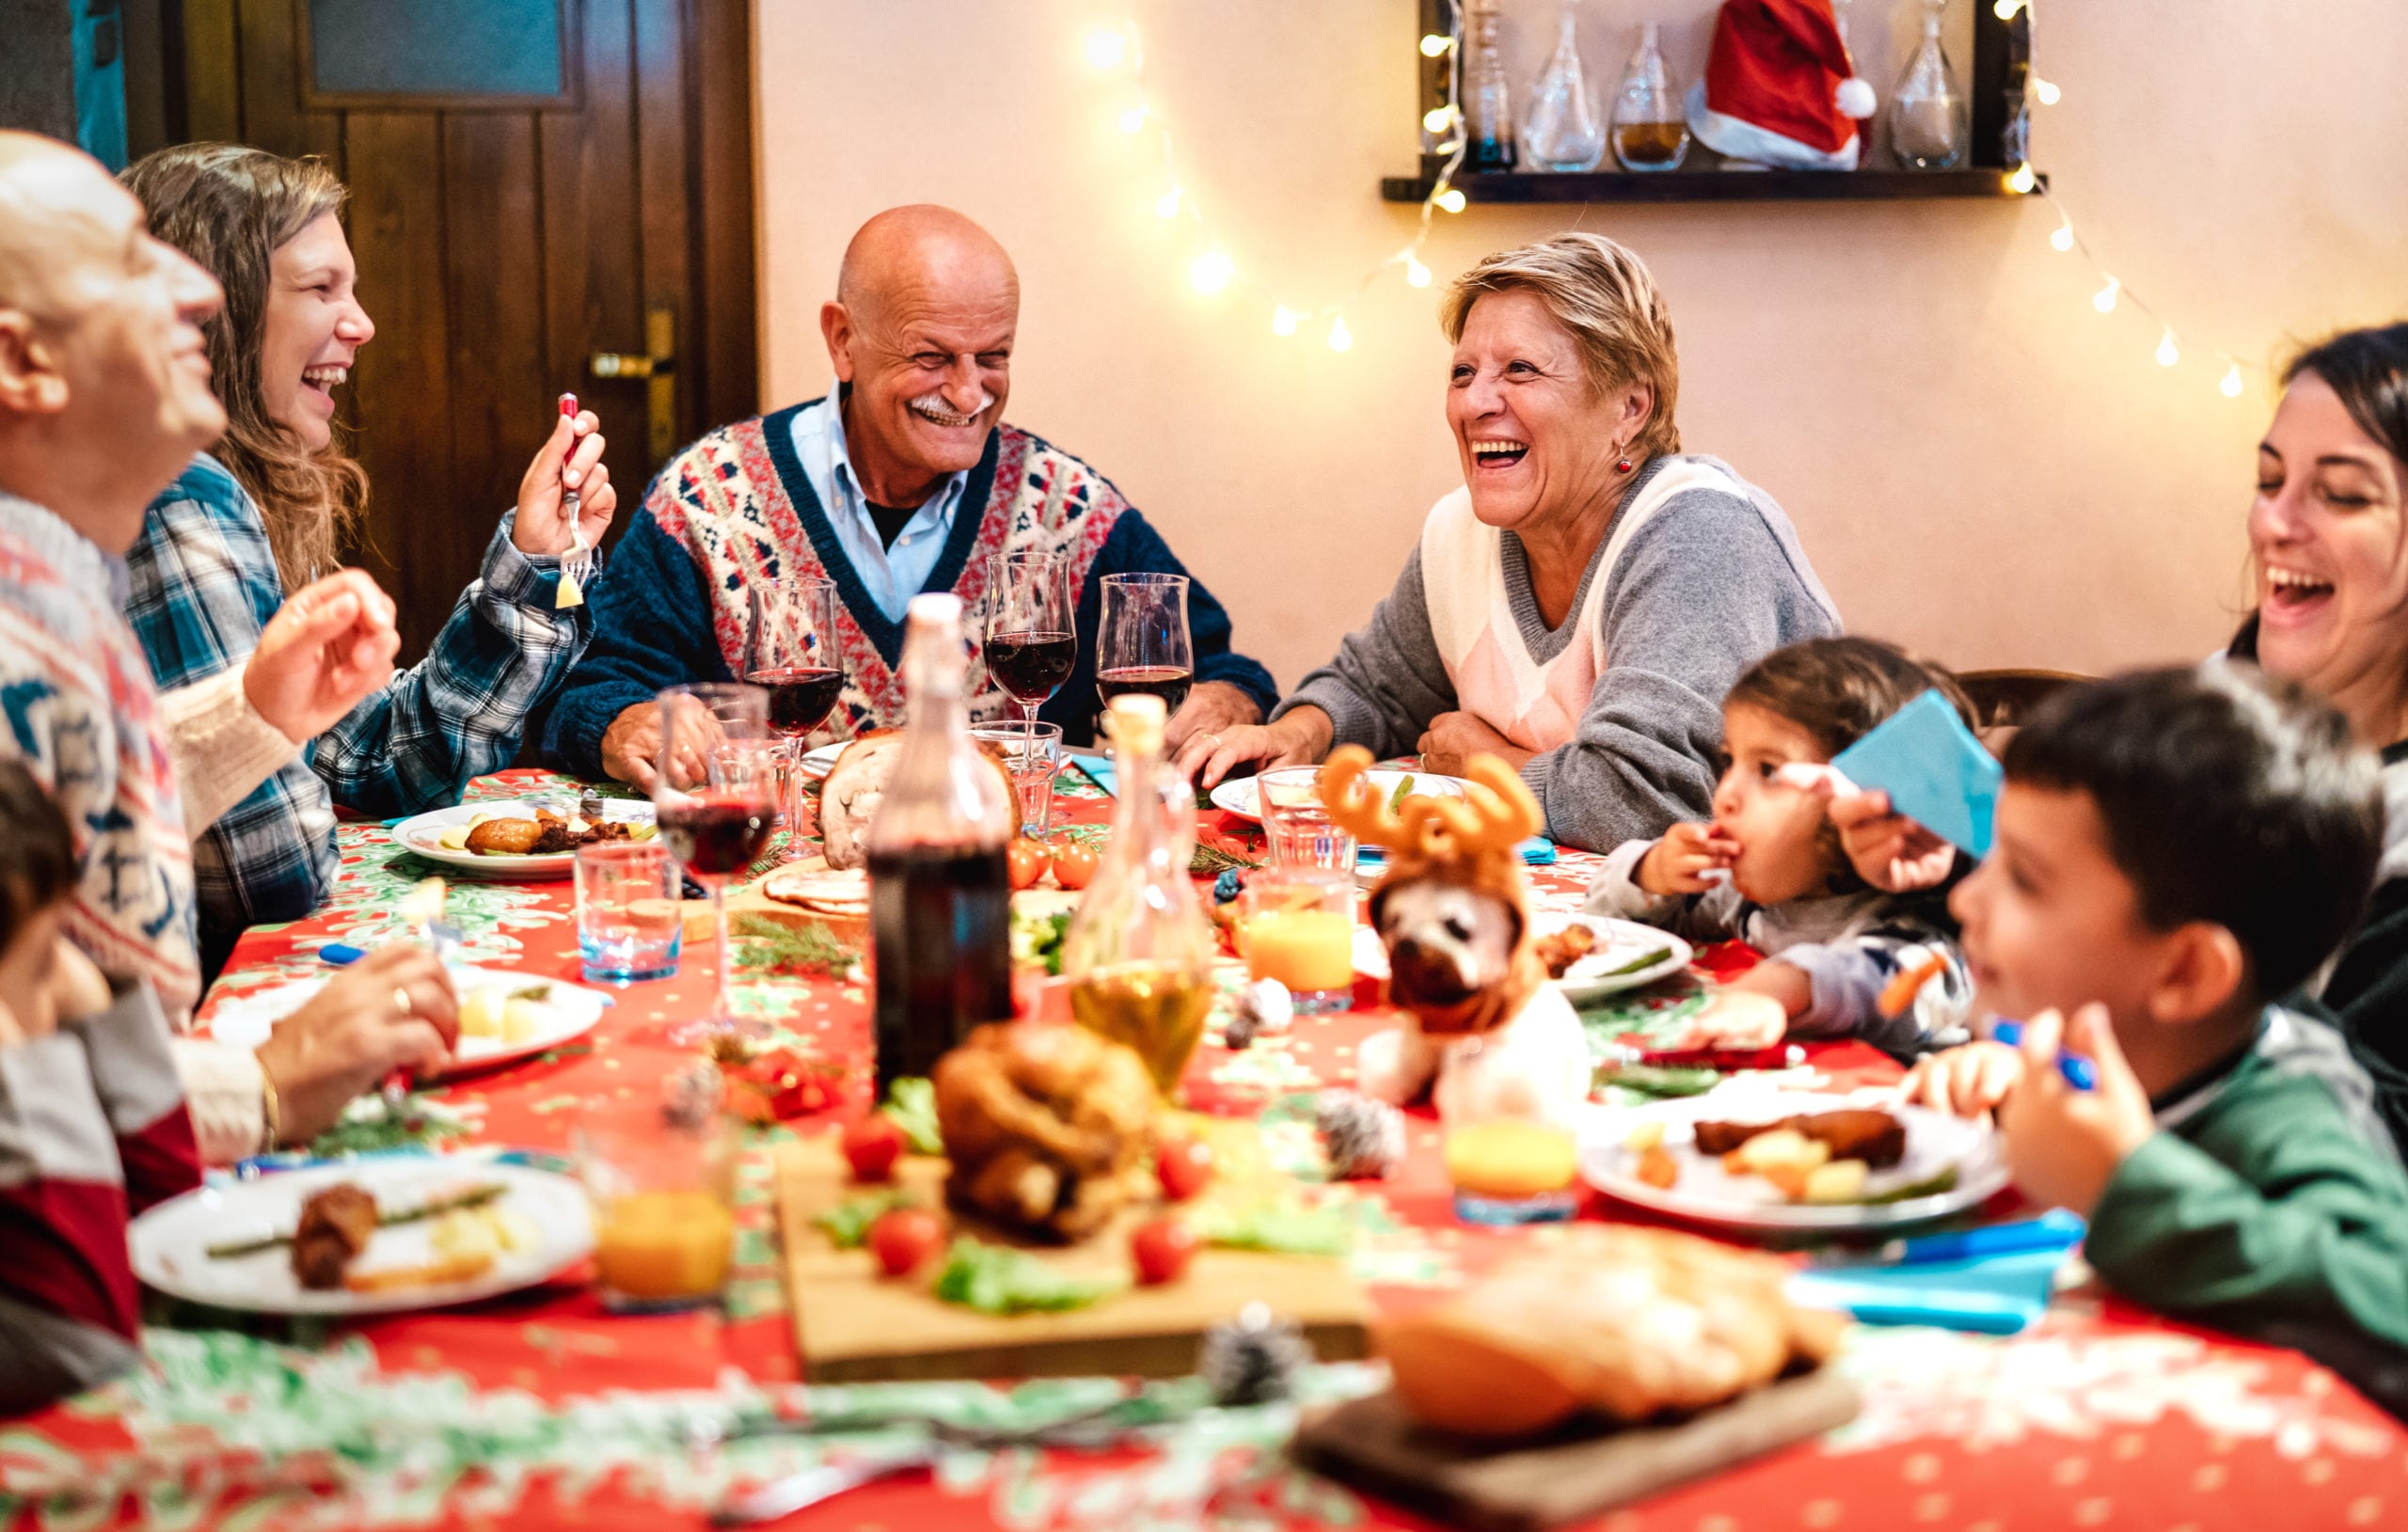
(782, 1497)
(2056, 1229)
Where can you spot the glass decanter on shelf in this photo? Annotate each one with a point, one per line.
(1649, 132)
(1560, 130)
(939, 894)
(1138, 953)
(1487, 104)
(1929, 117)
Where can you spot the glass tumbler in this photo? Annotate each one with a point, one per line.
(1032, 753)
(663, 1195)
(1301, 832)
(630, 923)
(1296, 924)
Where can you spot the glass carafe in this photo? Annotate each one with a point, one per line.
(939, 894)
(1929, 119)
(1487, 104)
(1560, 130)
(1649, 132)
(1138, 954)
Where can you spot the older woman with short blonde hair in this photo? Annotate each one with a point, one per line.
(1582, 603)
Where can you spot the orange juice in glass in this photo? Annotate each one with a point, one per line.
(664, 1224)
(1296, 924)
(1508, 1164)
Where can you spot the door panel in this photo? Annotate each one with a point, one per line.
(501, 245)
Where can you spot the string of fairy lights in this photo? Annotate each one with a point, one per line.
(1120, 50)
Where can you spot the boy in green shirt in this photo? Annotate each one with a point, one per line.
(2175, 849)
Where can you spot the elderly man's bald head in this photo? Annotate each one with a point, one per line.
(921, 334)
(103, 376)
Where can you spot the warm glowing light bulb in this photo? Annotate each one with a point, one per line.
(1283, 321)
(1439, 119)
(1449, 199)
(2062, 238)
(2231, 384)
(2046, 90)
(2023, 181)
(2005, 10)
(1166, 205)
(2104, 299)
(1416, 274)
(1106, 48)
(2167, 351)
(1132, 119)
(1211, 271)
(1340, 338)
(1433, 44)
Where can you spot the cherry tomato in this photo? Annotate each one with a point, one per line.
(903, 1238)
(1028, 862)
(872, 1145)
(1074, 863)
(1183, 1164)
(1162, 1250)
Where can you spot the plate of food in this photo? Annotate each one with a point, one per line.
(1790, 1160)
(364, 1237)
(505, 1017)
(521, 838)
(1241, 797)
(816, 762)
(1589, 956)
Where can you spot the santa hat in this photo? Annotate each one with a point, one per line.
(1780, 88)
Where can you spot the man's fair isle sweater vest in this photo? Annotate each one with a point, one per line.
(1535, 703)
(749, 526)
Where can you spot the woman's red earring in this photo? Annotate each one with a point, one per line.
(1624, 466)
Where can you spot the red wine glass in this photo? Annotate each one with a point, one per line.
(1032, 636)
(790, 650)
(1142, 642)
(714, 795)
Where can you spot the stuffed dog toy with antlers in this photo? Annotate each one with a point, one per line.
(1488, 1038)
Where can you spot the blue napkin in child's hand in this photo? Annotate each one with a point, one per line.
(1935, 771)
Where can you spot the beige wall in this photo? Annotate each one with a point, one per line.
(1979, 462)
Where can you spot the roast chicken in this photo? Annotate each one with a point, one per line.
(1048, 1127)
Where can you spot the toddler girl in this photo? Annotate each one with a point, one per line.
(1769, 870)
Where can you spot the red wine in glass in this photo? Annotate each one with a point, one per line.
(1169, 683)
(1030, 665)
(800, 696)
(716, 834)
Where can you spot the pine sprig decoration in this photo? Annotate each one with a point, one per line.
(808, 947)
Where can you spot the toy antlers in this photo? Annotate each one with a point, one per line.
(1497, 812)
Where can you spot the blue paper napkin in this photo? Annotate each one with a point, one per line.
(1099, 770)
(1994, 1295)
(1935, 771)
(1538, 851)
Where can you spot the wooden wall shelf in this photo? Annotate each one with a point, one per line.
(1711, 185)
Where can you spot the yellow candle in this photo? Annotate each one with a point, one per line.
(663, 1244)
(1303, 949)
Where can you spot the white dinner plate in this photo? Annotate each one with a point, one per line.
(1620, 943)
(170, 1243)
(571, 1011)
(1239, 795)
(423, 835)
(821, 760)
(1709, 1194)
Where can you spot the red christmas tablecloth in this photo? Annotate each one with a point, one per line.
(540, 1410)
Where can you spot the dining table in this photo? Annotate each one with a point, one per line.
(540, 1409)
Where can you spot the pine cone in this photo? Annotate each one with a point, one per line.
(1364, 1138)
(1252, 1359)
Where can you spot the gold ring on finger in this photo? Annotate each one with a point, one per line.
(402, 999)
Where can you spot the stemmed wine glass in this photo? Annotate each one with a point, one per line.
(790, 649)
(1032, 640)
(1142, 642)
(714, 795)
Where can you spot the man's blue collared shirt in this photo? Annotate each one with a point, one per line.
(893, 575)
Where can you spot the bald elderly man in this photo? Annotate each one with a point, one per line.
(906, 479)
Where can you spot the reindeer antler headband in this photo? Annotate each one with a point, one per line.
(1495, 814)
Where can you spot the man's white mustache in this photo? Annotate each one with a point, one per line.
(935, 408)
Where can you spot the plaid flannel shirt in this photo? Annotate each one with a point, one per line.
(205, 584)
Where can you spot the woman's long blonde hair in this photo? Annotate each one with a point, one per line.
(231, 208)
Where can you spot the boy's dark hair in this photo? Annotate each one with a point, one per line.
(2228, 795)
(36, 849)
(1837, 689)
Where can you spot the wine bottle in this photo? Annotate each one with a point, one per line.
(940, 893)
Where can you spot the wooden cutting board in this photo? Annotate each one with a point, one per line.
(1519, 1486)
(853, 1325)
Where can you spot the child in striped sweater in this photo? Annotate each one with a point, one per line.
(92, 1122)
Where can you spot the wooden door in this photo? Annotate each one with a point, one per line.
(513, 220)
